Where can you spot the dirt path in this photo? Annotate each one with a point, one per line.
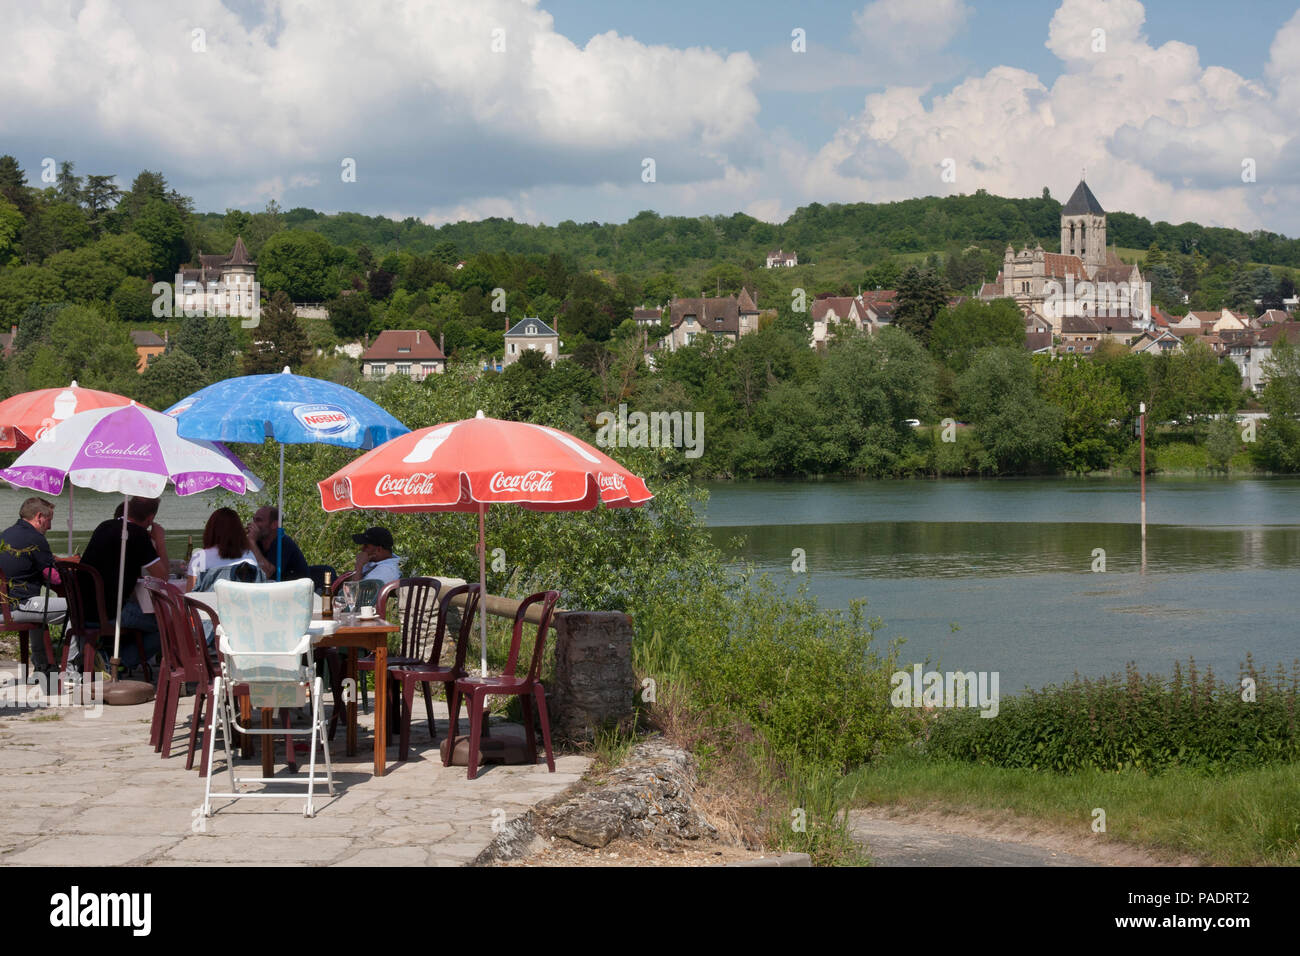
(896, 836)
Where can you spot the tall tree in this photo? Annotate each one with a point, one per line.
(213, 344)
(921, 295)
(278, 341)
(69, 184)
(101, 195)
(13, 184)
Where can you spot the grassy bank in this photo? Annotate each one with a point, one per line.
(1247, 818)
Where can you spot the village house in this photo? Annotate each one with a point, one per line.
(727, 317)
(1250, 349)
(531, 333)
(221, 285)
(147, 345)
(409, 352)
(646, 318)
(781, 259)
(1156, 342)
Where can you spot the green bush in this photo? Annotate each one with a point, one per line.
(1138, 722)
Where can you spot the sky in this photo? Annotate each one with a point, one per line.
(547, 110)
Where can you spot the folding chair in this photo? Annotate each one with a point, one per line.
(262, 638)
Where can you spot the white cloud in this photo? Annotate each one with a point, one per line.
(486, 207)
(1159, 134)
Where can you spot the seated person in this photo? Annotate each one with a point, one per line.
(27, 562)
(146, 556)
(225, 544)
(263, 538)
(376, 561)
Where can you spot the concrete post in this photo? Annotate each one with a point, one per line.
(594, 682)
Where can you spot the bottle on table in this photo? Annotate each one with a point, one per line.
(327, 597)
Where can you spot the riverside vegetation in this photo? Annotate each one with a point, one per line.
(787, 705)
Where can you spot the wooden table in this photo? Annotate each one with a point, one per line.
(371, 637)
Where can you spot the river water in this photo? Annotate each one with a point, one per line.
(999, 575)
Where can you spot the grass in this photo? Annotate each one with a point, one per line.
(1249, 818)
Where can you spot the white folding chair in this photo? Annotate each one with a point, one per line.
(262, 638)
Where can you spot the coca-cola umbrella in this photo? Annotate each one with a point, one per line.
(470, 464)
(26, 417)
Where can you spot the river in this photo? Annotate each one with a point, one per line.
(998, 575)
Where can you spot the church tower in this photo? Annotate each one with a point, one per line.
(1083, 228)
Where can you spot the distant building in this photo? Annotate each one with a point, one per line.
(221, 285)
(1085, 279)
(409, 352)
(647, 318)
(781, 259)
(534, 334)
(727, 317)
(147, 345)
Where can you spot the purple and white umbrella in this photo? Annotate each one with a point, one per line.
(131, 451)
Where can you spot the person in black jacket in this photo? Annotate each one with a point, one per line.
(27, 562)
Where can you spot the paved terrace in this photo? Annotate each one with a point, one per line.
(77, 790)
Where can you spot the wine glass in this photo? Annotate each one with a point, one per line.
(348, 598)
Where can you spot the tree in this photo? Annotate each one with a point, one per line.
(1088, 400)
(213, 344)
(1015, 425)
(1222, 442)
(132, 300)
(961, 332)
(921, 295)
(298, 263)
(169, 378)
(69, 184)
(350, 316)
(278, 340)
(161, 225)
(11, 228)
(1277, 447)
(101, 195)
(80, 343)
(13, 184)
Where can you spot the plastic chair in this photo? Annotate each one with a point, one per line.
(88, 617)
(433, 671)
(508, 685)
(263, 638)
(417, 600)
(23, 629)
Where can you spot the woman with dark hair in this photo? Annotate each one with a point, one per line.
(225, 543)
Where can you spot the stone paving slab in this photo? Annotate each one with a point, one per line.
(78, 790)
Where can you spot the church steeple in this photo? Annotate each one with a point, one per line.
(1083, 227)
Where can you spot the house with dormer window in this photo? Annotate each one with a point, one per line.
(531, 333)
(409, 352)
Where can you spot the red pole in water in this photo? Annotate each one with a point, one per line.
(1142, 464)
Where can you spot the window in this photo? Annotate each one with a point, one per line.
(428, 368)
(548, 348)
(404, 368)
(532, 330)
(404, 350)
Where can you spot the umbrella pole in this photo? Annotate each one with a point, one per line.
(71, 493)
(121, 577)
(482, 585)
(279, 525)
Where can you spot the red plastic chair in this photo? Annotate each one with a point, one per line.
(479, 689)
(88, 617)
(23, 629)
(432, 671)
(419, 611)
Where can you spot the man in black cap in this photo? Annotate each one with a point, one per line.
(375, 560)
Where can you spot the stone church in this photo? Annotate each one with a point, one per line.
(1085, 279)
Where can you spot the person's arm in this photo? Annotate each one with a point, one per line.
(158, 537)
(361, 563)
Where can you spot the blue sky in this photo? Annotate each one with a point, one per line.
(548, 110)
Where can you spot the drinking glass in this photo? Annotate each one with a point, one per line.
(348, 599)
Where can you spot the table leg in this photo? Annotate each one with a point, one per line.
(246, 718)
(352, 702)
(381, 708)
(268, 744)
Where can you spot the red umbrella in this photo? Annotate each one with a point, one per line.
(470, 464)
(25, 418)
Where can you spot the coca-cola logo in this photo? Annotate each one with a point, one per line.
(610, 482)
(341, 489)
(533, 481)
(389, 486)
(323, 419)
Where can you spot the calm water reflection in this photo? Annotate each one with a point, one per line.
(1009, 563)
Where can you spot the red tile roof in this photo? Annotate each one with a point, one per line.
(419, 346)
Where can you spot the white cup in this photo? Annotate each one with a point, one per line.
(368, 611)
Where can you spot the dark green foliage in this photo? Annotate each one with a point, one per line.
(1149, 723)
(921, 296)
(278, 339)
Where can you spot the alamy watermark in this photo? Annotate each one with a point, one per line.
(62, 690)
(190, 298)
(651, 430)
(1110, 299)
(951, 689)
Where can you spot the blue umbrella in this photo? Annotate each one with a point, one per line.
(291, 409)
